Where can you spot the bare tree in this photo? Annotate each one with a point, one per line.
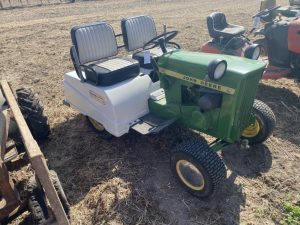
(1, 5)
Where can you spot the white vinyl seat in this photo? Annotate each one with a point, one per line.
(137, 31)
(93, 46)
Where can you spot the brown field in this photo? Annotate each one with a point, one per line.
(127, 180)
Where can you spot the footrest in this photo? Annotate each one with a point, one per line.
(151, 123)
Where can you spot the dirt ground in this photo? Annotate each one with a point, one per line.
(127, 180)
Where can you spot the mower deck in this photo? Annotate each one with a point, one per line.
(274, 72)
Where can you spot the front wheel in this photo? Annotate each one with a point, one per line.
(197, 168)
(263, 125)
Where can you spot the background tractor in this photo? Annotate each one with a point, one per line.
(287, 11)
(279, 45)
(214, 94)
(26, 183)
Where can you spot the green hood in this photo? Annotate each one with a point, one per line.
(195, 63)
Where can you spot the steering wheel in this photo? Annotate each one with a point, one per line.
(266, 11)
(161, 41)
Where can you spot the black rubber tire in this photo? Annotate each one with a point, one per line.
(267, 122)
(33, 112)
(103, 134)
(37, 203)
(205, 160)
(60, 192)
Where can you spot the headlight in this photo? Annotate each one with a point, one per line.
(217, 69)
(253, 52)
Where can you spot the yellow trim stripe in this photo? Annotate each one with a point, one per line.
(193, 80)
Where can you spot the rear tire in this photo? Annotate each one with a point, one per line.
(266, 121)
(104, 134)
(36, 202)
(197, 168)
(33, 112)
(60, 192)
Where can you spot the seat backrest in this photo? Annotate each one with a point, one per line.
(94, 41)
(216, 21)
(137, 31)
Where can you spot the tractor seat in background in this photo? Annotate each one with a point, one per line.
(93, 44)
(137, 31)
(218, 27)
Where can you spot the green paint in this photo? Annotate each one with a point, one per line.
(183, 70)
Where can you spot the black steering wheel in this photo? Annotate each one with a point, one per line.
(266, 11)
(161, 40)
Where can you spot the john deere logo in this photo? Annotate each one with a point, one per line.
(221, 88)
(191, 79)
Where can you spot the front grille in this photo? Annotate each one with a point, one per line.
(250, 88)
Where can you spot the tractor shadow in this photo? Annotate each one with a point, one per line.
(286, 106)
(129, 178)
(250, 163)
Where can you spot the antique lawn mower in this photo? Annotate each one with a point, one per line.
(25, 180)
(281, 42)
(214, 94)
(292, 10)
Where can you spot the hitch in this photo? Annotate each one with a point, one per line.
(244, 144)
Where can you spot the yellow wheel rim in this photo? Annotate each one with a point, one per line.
(190, 175)
(252, 130)
(98, 126)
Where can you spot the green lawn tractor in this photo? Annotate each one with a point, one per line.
(214, 94)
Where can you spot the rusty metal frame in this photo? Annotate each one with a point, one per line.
(35, 156)
(10, 199)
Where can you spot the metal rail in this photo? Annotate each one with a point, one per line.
(35, 156)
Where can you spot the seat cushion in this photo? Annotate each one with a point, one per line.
(154, 53)
(112, 71)
(232, 31)
(218, 26)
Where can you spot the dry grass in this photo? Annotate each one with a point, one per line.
(127, 180)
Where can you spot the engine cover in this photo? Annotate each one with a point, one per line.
(117, 107)
(277, 37)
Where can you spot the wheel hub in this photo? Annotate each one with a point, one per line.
(190, 175)
(252, 130)
(98, 126)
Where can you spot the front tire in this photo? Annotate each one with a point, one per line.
(263, 126)
(197, 168)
